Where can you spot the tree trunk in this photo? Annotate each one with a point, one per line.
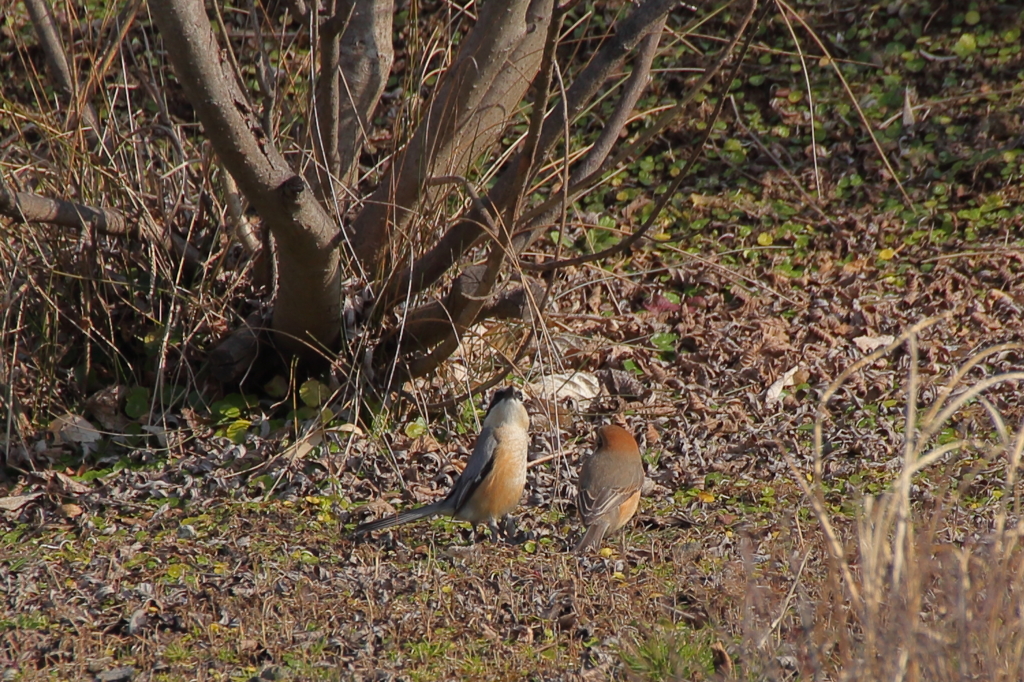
(307, 312)
(354, 68)
(471, 105)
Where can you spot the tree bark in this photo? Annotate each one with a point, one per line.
(644, 19)
(323, 175)
(366, 57)
(477, 95)
(307, 312)
(355, 62)
(525, 166)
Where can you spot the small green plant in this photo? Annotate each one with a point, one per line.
(671, 653)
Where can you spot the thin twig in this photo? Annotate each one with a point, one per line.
(698, 149)
(644, 139)
(810, 103)
(784, 609)
(438, 408)
(474, 196)
(853, 101)
(808, 199)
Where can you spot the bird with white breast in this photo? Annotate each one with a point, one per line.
(492, 483)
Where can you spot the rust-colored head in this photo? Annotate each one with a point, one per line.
(617, 439)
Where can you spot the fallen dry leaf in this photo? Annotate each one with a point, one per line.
(774, 391)
(575, 385)
(71, 510)
(16, 502)
(869, 343)
(74, 429)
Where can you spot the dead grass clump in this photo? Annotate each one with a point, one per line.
(121, 308)
(925, 582)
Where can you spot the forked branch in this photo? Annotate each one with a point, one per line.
(641, 22)
(468, 112)
(471, 306)
(307, 312)
(663, 200)
(643, 26)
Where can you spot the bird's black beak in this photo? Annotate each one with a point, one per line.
(507, 393)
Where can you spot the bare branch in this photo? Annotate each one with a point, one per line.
(598, 153)
(475, 97)
(647, 18)
(466, 314)
(643, 139)
(511, 186)
(34, 208)
(57, 63)
(326, 102)
(697, 150)
(355, 61)
(447, 335)
(465, 233)
(478, 203)
(240, 227)
(527, 161)
(631, 91)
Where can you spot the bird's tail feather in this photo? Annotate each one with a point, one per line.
(593, 537)
(407, 516)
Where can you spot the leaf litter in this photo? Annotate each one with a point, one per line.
(200, 556)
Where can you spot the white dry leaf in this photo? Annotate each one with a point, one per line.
(70, 486)
(304, 445)
(870, 343)
(458, 373)
(16, 502)
(908, 108)
(347, 428)
(74, 429)
(774, 392)
(576, 385)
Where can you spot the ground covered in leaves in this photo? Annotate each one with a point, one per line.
(214, 545)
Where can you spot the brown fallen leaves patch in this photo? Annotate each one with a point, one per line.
(238, 556)
(191, 556)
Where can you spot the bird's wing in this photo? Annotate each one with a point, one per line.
(594, 507)
(479, 466)
(603, 494)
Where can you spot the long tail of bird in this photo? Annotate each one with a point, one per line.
(593, 537)
(439, 507)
